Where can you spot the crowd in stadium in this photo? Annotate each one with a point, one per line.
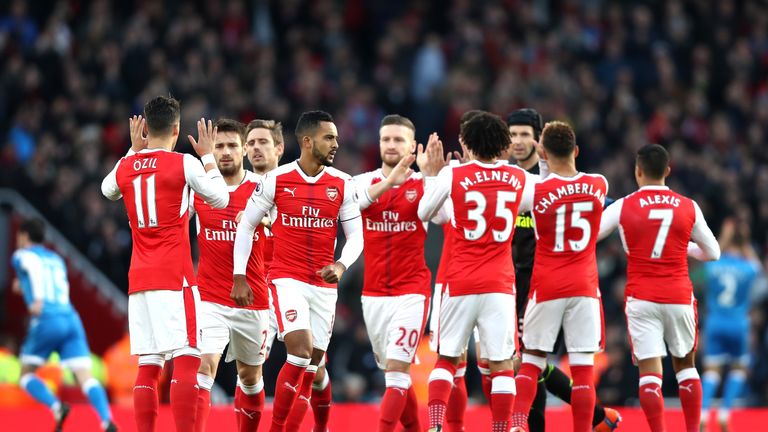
(685, 74)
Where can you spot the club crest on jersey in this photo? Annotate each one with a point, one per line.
(411, 195)
(332, 192)
(290, 315)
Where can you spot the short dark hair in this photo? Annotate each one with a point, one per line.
(398, 120)
(161, 113)
(527, 117)
(558, 139)
(467, 116)
(486, 135)
(274, 127)
(230, 125)
(34, 228)
(653, 160)
(309, 121)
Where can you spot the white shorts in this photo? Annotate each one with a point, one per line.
(272, 330)
(395, 325)
(580, 318)
(492, 313)
(245, 330)
(651, 324)
(301, 306)
(163, 321)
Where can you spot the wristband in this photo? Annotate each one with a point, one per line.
(208, 159)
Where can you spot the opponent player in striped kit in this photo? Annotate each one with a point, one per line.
(310, 198)
(656, 226)
(240, 319)
(162, 296)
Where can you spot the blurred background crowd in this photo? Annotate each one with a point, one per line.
(691, 75)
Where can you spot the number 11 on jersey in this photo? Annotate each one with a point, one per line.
(151, 206)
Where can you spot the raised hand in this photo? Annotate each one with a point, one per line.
(461, 156)
(431, 159)
(401, 171)
(206, 136)
(136, 125)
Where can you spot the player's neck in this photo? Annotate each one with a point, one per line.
(235, 179)
(261, 172)
(529, 163)
(563, 168)
(386, 170)
(160, 143)
(490, 161)
(648, 182)
(309, 165)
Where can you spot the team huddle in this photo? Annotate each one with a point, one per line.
(267, 271)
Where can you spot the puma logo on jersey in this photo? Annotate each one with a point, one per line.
(654, 390)
(290, 191)
(686, 387)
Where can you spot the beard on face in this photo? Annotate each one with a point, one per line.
(324, 160)
(390, 160)
(230, 170)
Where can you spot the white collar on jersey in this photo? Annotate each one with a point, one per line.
(496, 164)
(307, 177)
(557, 176)
(654, 187)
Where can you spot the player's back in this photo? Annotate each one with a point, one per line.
(729, 282)
(306, 223)
(485, 198)
(43, 275)
(655, 226)
(394, 239)
(566, 214)
(156, 198)
(216, 238)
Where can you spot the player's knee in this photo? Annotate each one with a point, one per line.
(398, 366)
(500, 366)
(249, 375)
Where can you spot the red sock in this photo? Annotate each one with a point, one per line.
(440, 385)
(248, 407)
(526, 382)
(321, 404)
(502, 399)
(689, 387)
(286, 390)
(301, 404)
(410, 418)
(394, 400)
(457, 403)
(145, 402)
(184, 390)
(203, 409)
(652, 401)
(485, 379)
(583, 397)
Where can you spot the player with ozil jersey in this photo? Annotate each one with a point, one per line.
(162, 296)
(396, 286)
(310, 198)
(228, 317)
(564, 291)
(656, 227)
(479, 282)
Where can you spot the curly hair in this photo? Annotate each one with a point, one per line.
(558, 139)
(485, 135)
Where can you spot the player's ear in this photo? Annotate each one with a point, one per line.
(576, 152)
(667, 171)
(638, 171)
(175, 129)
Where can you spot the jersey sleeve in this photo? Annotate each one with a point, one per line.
(260, 203)
(704, 246)
(526, 201)
(109, 186)
(362, 183)
(610, 219)
(30, 265)
(436, 191)
(353, 247)
(350, 208)
(210, 185)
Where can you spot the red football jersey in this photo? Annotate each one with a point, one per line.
(308, 210)
(655, 226)
(486, 199)
(394, 239)
(156, 198)
(216, 239)
(566, 214)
